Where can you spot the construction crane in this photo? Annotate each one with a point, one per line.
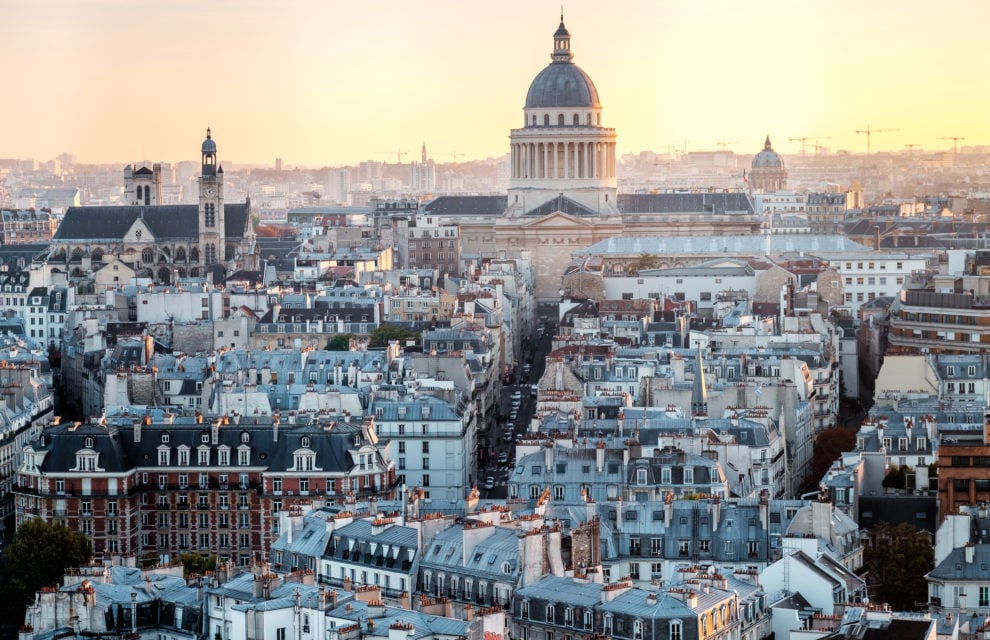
(398, 154)
(804, 139)
(455, 155)
(868, 131)
(722, 144)
(955, 142)
(818, 147)
(911, 147)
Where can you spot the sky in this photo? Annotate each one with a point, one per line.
(335, 82)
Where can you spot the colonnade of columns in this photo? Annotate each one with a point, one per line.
(563, 160)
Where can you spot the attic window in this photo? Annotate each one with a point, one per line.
(88, 443)
(305, 441)
(165, 438)
(477, 557)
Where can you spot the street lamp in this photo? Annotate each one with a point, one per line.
(133, 612)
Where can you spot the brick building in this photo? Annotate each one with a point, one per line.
(160, 485)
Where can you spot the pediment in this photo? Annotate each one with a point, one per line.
(139, 232)
(557, 220)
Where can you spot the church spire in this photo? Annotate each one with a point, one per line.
(766, 145)
(699, 392)
(561, 42)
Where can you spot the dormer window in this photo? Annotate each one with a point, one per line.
(205, 438)
(165, 438)
(245, 437)
(305, 442)
(88, 442)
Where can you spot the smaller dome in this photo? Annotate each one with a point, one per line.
(768, 158)
(209, 147)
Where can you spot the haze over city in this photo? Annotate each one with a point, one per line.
(330, 83)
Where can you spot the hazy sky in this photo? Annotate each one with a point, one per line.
(330, 82)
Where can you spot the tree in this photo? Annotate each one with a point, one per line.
(195, 563)
(340, 342)
(385, 333)
(829, 445)
(898, 557)
(38, 557)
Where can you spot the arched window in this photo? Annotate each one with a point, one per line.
(180, 254)
(139, 194)
(210, 254)
(180, 272)
(194, 272)
(194, 254)
(209, 215)
(560, 119)
(77, 254)
(89, 443)
(577, 119)
(598, 119)
(589, 119)
(163, 276)
(534, 120)
(96, 255)
(229, 252)
(305, 442)
(147, 194)
(546, 119)
(147, 256)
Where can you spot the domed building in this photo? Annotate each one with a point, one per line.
(768, 172)
(562, 149)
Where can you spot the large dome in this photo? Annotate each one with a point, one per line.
(768, 158)
(562, 83)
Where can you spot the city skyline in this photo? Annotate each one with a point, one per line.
(332, 83)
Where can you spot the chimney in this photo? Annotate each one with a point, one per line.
(137, 431)
(548, 455)
(618, 515)
(716, 512)
(600, 456)
(404, 600)
(876, 238)
(468, 612)
(970, 551)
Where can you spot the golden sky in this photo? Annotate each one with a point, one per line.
(331, 82)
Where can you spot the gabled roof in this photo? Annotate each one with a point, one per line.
(164, 221)
(467, 205)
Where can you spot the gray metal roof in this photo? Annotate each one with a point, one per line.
(729, 245)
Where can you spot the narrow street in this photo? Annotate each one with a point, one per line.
(516, 408)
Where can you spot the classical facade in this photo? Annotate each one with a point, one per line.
(563, 186)
(163, 242)
(562, 145)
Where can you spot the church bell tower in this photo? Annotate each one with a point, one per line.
(211, 223)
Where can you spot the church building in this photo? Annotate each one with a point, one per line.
(563, 189)
(210, 239)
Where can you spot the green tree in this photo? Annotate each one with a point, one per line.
(385, 333)
(340, 342)
(195, 563)
(898, 557)
(38, 557)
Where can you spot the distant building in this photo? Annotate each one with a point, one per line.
(768, 172)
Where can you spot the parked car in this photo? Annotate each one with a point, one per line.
(489, 483)
(503, 458)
